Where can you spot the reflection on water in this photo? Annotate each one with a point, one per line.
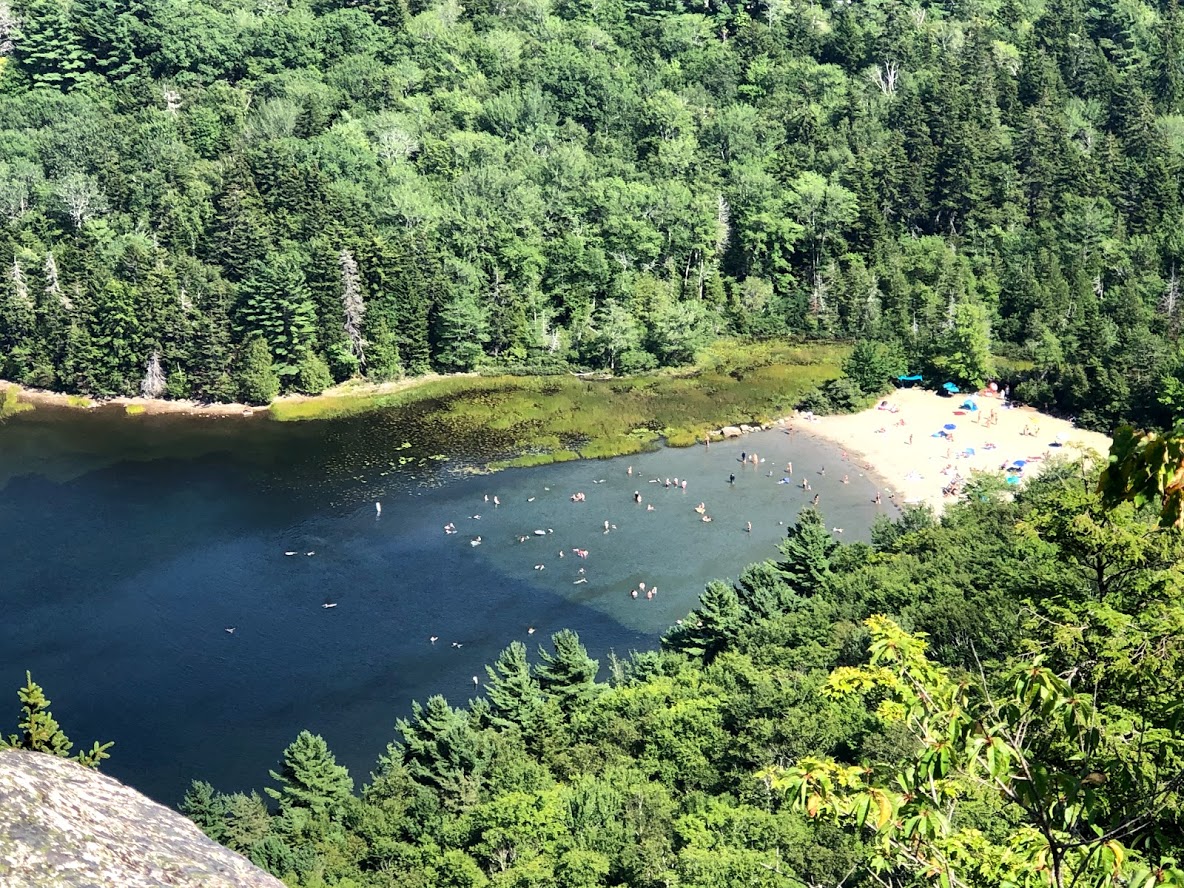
(130, 546)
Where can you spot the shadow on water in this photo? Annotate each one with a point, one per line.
(130, 546)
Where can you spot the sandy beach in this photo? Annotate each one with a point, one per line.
(897, 442)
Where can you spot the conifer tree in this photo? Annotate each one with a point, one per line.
(568, 675)
(246, 821)
(258, 381)
(276, 303)
(442, 751)
(513, 693)
(806, 554)
(205, 808)
(311, 778)
(712, 627)
(40, 731)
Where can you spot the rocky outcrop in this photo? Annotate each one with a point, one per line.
(67, 826)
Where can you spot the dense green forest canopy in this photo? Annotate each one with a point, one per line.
(1030, 737)
(220, 199)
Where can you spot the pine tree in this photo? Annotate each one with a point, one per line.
(763, 592)
(442, 751)
(568, 675)
(258, 382)
(276, 303)
(462, 331)
(806, 554)
(205, 808)
(49, 50)
(513, 693)
(712, 627)
(40, 731)
(246, 821)
(240, 236)
(311, 778)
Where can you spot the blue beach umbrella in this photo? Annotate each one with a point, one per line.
(949, 427)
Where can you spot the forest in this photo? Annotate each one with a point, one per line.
(989, 699)
(221, 200)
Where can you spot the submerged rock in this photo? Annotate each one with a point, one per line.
(64, 825)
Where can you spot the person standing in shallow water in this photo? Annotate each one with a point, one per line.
(637, 496)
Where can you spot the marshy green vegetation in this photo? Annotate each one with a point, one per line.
(549, 419)
(11, 403)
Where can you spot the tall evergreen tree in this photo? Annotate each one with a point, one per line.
(310, 777)
(568, 674)
(806, 554)
(441, 750)
(513, 693)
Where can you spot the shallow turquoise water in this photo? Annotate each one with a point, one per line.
(127, 546)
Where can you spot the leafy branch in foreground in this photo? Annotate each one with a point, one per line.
(40, 731)
(1073, 796)
(1146, 467)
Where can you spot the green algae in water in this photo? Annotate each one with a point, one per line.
(532, 421)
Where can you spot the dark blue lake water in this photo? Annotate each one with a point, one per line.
(129, 545)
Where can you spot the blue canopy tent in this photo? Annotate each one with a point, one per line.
(970, 405)
(950, 388)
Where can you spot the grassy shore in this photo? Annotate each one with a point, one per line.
(546, 419)
(557, 418)
(11, 403)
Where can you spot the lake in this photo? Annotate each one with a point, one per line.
(128, 545)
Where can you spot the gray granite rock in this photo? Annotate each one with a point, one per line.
(67, 826)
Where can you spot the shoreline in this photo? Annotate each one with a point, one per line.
(142, 406)
(1018, 439)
